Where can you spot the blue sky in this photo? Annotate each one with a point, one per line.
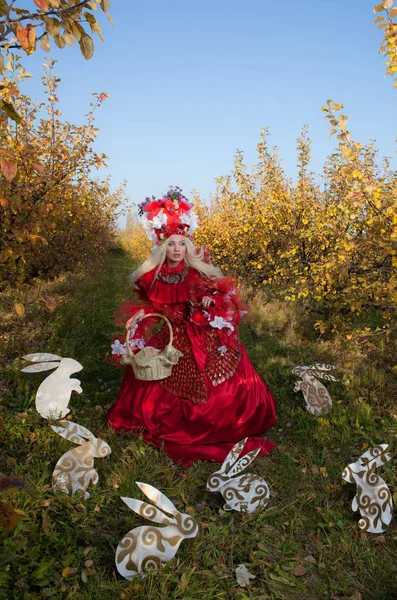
(191, 82)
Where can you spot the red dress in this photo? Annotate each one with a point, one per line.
(214, 397)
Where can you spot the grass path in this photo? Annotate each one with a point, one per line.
(64, 548)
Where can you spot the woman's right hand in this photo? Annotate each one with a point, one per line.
(135, 319)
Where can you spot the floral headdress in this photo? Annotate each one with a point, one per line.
(170, 215)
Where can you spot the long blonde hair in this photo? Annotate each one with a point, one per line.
(193, 258)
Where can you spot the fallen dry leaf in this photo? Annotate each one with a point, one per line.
(261, 546)
(380, 539)
(49, 302)
(69, 572)
(10, 484)
(310, 559)
(299, 571)
(9, 518)
(19, 309)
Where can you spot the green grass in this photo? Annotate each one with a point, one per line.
(308, 520)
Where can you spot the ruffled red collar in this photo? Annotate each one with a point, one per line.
(166, 270)
(169, 289)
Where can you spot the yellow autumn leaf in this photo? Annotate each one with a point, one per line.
(342, 120)
(45, 43)
(27, 38)
(379, 8)
(19, 309)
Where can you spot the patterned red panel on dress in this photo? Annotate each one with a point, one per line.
(185, 381)
(222, 362)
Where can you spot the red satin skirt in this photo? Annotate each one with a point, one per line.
(240, 407)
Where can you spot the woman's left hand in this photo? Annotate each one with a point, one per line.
(207, 301)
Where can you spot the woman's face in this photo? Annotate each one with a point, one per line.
(175, 249)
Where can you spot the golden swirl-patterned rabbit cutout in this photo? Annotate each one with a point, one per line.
(373, 499)
(151, 547)
(245, 492)
(317, 398)
(75, 471)
(53, 394)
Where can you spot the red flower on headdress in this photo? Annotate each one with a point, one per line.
(169, 216)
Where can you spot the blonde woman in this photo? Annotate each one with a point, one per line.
(214, 397)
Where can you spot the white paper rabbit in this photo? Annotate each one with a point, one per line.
(373, 498)
(245, 492)
(74, 471)
(53, 394)
(318, 400)
(151, 547)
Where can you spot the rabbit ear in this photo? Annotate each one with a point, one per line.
(321, 375)
(322, 367)
(79, 430)
(147, 511)
(376, 457)
(37, 368)
(232, 456)
(41, 357)
(158, 498)
(299, 371)
(348, 475)
(243, 462)
(68, 435)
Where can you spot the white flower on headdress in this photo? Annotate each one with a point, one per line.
(194, 222)
(118, 348)
(159, 220)
(222, 350)
(148, 227)
(221, 323)
(185, 218)
(189, 218)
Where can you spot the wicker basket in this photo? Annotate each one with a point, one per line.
(151, 364)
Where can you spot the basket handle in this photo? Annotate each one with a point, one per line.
(127, 339)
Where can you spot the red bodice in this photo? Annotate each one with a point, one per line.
(208, 337)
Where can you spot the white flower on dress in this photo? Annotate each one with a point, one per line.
(221, 323)
(118, 348)
(222, 350)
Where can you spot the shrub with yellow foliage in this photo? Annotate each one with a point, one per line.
(387, 23)
(54, 215)
(134, 239)
(334, 242)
